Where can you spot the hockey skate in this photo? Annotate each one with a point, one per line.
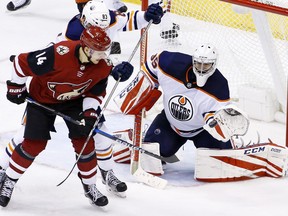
(120, 6)
(17, 4)
(113, 184)
(6, 190)
(94, 195)
(2, 175)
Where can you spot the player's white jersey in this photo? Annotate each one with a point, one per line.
(187, 106)
(130, 21)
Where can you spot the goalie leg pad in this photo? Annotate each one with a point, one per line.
(265, 159)
(122, 154)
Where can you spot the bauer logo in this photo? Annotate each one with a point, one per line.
(254, 150)
(180, 108)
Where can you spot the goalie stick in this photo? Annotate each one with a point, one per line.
(135, 166)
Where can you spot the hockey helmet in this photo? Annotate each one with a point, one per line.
(204, 63)
(95, 13)
(95, 38)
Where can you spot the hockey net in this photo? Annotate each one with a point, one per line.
(252, 45)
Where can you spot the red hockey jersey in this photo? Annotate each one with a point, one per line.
(58, 75)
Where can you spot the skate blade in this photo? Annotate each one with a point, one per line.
(116, 193)
(102, 208)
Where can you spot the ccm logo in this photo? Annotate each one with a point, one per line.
(254, 150)
(129, 87)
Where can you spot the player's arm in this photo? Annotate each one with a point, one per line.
(134, 20)
(25, 65)
(72, 31)
(91, 106)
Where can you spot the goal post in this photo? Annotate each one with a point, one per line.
(251, 37)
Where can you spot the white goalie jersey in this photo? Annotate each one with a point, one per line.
(187, 107)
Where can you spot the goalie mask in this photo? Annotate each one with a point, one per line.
(95, 13)
(204, 63)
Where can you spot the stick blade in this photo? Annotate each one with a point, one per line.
(149, 179)
(171, 159)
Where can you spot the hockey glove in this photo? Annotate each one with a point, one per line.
(123, 70)
(154, 12)
(89, 116)
(16, 93)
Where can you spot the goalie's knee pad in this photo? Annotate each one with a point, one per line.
(122, 154)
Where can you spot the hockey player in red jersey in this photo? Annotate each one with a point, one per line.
(70, 77)
(75, 28)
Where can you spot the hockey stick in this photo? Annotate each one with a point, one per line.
(171, 159)
(68, 118)
(135, 167)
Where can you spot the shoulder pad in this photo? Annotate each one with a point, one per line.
(41, 61)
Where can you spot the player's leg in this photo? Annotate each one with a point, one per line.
(6, 154)
(104, 150)
(37, 132)
(17, 4)
(87, 163)
(161, 132)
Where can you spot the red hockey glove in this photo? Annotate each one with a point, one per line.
(16, 93)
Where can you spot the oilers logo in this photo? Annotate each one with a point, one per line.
(180, 108)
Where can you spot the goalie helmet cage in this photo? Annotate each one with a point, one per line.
(250, 35)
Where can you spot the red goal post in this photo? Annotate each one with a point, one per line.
(252, 44)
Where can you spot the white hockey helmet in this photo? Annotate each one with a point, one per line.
(95, 13)
(204, 63)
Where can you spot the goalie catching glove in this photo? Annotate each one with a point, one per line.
(227, 122)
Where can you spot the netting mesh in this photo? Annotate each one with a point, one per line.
(232, 30)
